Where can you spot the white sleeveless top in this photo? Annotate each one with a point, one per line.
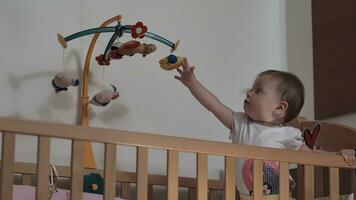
(246, 131)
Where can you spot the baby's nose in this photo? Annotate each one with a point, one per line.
(248, 94)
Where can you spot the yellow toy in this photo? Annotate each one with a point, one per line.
(171, 62)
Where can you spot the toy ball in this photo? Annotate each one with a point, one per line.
(172, 59)
(93, 183)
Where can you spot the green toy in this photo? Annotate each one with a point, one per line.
(93, 183)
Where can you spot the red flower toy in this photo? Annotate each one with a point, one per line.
(101, 60)
(138, 30)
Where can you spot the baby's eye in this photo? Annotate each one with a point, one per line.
(258, 90)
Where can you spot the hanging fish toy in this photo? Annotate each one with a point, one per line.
(130, 48)
(103, 98)
(61, 82)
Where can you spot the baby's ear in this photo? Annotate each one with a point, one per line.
(282, 107)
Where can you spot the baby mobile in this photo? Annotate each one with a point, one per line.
(114, 50)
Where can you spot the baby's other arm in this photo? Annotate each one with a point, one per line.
(204, 96)
(347, 154)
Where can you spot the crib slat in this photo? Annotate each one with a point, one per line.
(309, 182)
(142, 173)
(172, 172)
(257, 179)
(26, 179)
(202, 176)
(192, 194)
(214, 195)
(230, 176)
(150, 192)
(284, 180)
(77, 170)
(109, 171)
(7, 165)
(43, 152)
(125, 190)
(334, 183)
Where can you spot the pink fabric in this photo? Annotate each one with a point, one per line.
(25, 192)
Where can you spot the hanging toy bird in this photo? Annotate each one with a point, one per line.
(103, 98)
(61, 82)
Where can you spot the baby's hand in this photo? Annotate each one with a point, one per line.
(187, 75)
(348, 155)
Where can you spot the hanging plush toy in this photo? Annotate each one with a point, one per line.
(103, 98)
(61, 82)
(130, 48)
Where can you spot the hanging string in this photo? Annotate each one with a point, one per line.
(63, 59)
(103, 77)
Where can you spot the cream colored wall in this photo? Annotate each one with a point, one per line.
(300, 49)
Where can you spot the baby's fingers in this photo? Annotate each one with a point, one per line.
(179, 70)
(349, 158)
(185, 64)
(178, 78)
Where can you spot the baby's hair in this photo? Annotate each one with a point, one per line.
(245, 90)
(290, 89)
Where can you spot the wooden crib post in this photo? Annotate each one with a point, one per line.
(7, 165)
(257, 179)
(284, 180)
(110, 171)
(142, 173)
(77, 170)
(334, 183)
(309, 182)
(172, 173)
(43, 152)
(202, 176)
(230, 176)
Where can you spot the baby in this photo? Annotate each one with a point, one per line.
(275, 98)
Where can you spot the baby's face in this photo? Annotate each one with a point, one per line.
(262, 99)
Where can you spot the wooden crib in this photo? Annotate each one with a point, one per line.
(202, 148)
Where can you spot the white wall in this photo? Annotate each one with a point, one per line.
(300, 49)
(229, 42)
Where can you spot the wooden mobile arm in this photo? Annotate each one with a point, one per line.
(89, 161)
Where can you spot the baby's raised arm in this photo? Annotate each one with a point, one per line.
(203, 95)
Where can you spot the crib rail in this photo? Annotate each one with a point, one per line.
(27, 170)
(143, 142)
